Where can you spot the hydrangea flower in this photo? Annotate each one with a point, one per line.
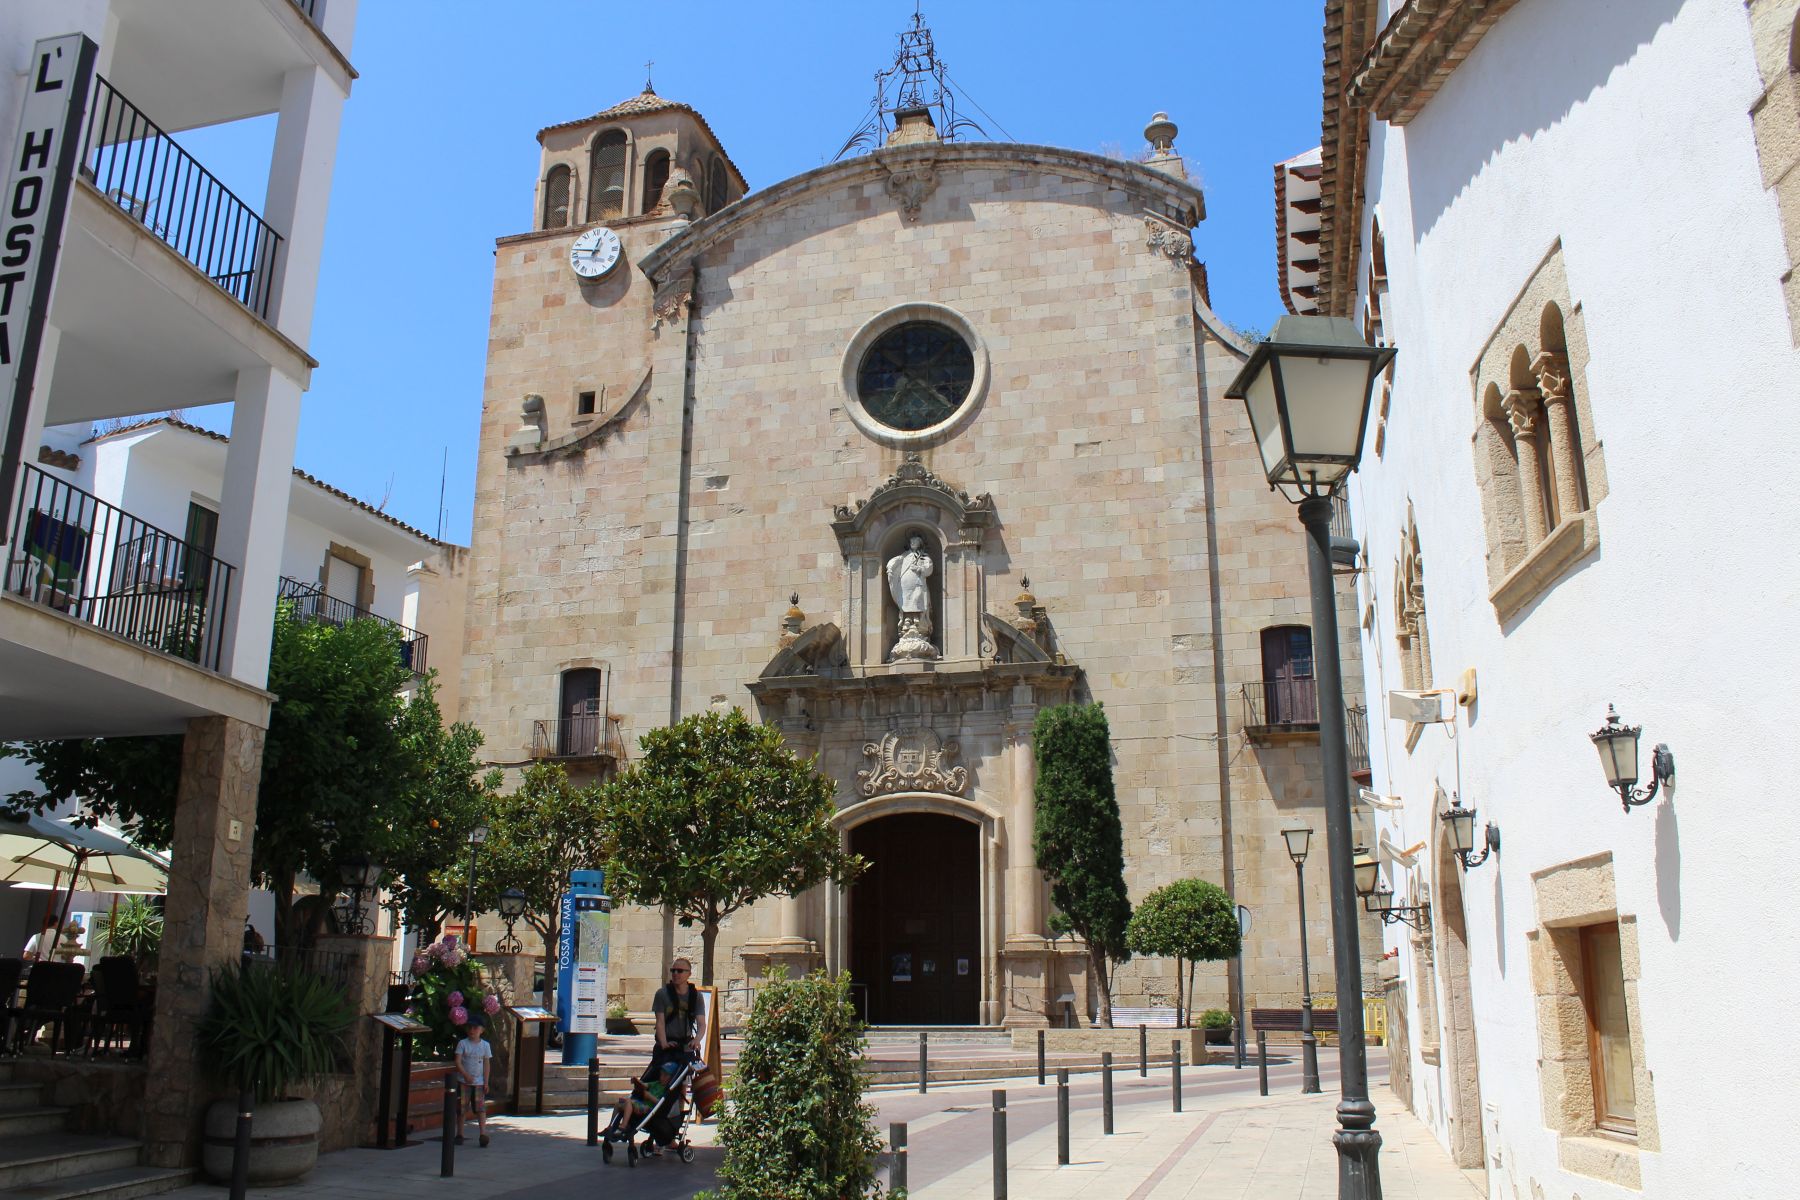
(456, 999)
(459, 1016)
(420, 964)
(490, 1004)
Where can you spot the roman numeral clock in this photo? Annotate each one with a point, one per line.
(595, 253)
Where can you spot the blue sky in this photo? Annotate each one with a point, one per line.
(438, 157)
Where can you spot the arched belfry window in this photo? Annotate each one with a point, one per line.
(656, 175)
(606, 177)
(556, 196)
(715, 186)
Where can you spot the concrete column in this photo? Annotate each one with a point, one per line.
(253, 504)
(1024, 882)
(1552, 371)
(306, 138)
(203, 922)
(350, 1121)
(1522, 408)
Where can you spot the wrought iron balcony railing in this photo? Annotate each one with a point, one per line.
(75, 553)
(1276, 706)
(310, 8)
(309, 603)
(1356, 726)
(591, 736)
(129, 158)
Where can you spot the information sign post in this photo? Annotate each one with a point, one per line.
(582, 965)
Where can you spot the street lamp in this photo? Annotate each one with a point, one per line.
(1307, 391)
(1298, 841)
(361, 877)
(512, 907)
(1378, 897)
(477, 835)
(1618, 746)
(1459, 823)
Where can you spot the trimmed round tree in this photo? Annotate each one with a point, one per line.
(1190, 921)
(1079, 840)
(797, 1127)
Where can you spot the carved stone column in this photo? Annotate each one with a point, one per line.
(1026, 956)
(1522, 407)
(1552, 371)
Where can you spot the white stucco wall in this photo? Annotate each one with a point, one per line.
(1620, 127)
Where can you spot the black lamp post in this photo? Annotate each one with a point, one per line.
(1307, 389)
(477, 835)
(512, 907)
(361, 877)
(1298, 842)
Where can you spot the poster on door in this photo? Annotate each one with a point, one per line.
(587, 986)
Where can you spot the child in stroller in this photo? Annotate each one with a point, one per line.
(658, 1108)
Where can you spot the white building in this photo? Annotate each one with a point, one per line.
(134, 282)
(1569, 217)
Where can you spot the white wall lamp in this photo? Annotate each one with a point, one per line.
(1618, 746)
(1460, 823)
(1378, 898)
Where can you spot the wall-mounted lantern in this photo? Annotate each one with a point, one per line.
(1378, 898)
(1460, 822)
(1618, 746)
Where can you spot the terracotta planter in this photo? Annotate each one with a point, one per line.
(284, 1141)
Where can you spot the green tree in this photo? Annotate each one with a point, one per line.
(798, 1127)
(537, 835)
(1191, 921)
(1080, 843)
(716, 814)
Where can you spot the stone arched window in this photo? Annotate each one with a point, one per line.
(715, 186)
(606, 176)
(558, 186)
(656, 175)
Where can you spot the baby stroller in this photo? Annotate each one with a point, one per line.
(664, 1124)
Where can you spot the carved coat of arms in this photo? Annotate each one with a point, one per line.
(911, 762)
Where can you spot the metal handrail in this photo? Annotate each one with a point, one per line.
(310, 603)
(590, 736)
(144, 171)
(73, 552)
(1281, 703)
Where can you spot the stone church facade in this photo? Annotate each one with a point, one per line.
(708, 445)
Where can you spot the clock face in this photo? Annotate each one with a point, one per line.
(595, 253)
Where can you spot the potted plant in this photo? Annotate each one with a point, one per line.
(133, 930)
(1217, 1024)
(270, 1031)
(618, 1018)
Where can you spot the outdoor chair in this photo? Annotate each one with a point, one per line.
(118, 1004)
(12, 970)
(51, 992)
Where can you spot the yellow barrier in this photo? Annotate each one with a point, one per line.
(1375, 1019)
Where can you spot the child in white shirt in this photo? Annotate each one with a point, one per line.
(472, 1055)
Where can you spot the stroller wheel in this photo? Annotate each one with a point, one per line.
(687, 1154)
(606, 1151)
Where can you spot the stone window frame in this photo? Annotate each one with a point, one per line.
(656, 159)
(628, 150)
(365, 586)
(567, 173)
(1410, 628)
(1569, 897)
(1539, 463)
(1775, 123)
(893, 318)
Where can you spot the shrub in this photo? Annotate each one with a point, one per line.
(1190, 921)
(448, 986)
(273, 1029)
(797, 1127)
(135, 931)
(1215, 1018)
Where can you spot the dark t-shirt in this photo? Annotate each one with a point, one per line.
(679, 1012)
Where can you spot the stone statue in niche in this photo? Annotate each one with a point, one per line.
(909, 581)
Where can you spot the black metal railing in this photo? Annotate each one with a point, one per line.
(1356, 729)
(129, 158)
(308, 603)
(342, 970)
(310, 8)
(75, 553)
(1278, 703)
(591, 736)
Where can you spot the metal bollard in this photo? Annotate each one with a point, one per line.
(452, 1101)
(922, 1064)
(1062, 1118)
(594, 1101)
(1262, 1061)
(240, 1151)
(1106, 1103)
(1175, 1074)
(999, 1144)
(1143, 1052)
(897, 1142)
(1040, 1058)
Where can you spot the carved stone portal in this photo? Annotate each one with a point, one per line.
(911, 762)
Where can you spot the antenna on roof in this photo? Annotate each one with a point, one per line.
(648, 87)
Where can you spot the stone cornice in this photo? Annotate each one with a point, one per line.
(1175, 199)
(913, 480)
(1425, 40)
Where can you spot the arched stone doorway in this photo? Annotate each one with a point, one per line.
(915, 919)
(1461, 1070)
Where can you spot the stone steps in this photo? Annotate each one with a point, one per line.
(44, 1158)
(22, 1122)
(120, 1183)
(38, 1161)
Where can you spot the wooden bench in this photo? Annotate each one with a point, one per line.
(1155, 1018)
(1287, 1020)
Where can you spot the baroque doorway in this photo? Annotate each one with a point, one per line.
(915, 919)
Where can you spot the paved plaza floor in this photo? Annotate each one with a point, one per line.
(1228, 1143)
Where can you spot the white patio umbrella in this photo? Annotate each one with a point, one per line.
(40, 852)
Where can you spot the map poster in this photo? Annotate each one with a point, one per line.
(587, 988)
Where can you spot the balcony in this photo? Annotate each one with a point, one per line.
(308, 603)
(80, 556)
(129, 159)
(1287, 710)
(581, 737)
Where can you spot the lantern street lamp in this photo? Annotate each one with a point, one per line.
(1298, 840)
(477, 836)
(1307, 391)
(1618, 746)
(1378, 897)
(1459, 823)
(361, 877)
(512, 907)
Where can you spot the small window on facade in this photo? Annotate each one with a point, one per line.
(584, 404)
(578, 732)
(656, 174)
(556, 197)
(606, 177)
(1609, 1029)
(715, 186)
(1290, 693)
(344, 580)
